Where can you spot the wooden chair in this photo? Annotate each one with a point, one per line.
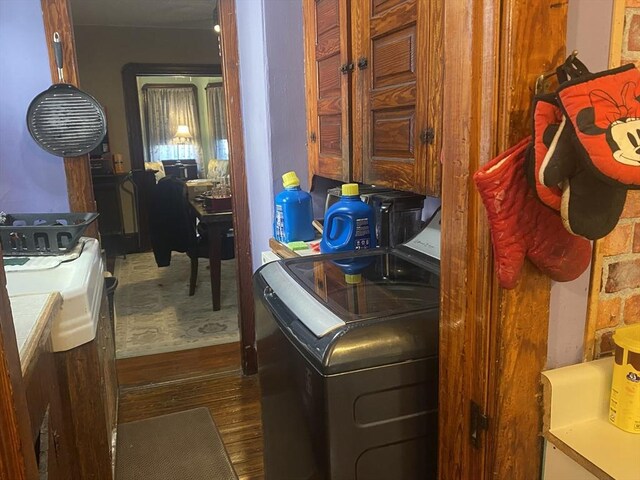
(200, 250)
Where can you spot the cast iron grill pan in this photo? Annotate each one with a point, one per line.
(63, 120)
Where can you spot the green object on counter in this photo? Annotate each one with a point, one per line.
(15, 261)
(299, 245)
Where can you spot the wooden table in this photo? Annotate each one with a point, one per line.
(215, 224)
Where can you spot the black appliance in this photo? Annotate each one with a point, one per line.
(186, 169)
(348, 365)
(102, 165)
(398, 214)
(366, 192)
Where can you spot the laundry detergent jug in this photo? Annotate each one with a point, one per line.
(293, 212)
(349, 224)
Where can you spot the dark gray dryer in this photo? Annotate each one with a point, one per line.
(348, 365)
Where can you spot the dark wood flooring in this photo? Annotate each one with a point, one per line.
(204, 377)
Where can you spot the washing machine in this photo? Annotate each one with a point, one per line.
(348, 363)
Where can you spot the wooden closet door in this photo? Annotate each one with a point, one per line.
(397, 59)
(328, 81)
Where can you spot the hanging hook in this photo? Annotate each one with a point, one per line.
(540, 81)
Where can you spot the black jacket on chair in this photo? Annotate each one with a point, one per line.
(171, 221)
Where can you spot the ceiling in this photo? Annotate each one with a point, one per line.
(193, 14)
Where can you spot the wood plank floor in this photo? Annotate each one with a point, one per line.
(191, 363)
(205, 377)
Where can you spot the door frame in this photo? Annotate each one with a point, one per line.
(493, 342)
(57, 18)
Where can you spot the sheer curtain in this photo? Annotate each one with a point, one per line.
(217, 121)
(165, 108)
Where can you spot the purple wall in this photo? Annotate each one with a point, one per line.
(285, 60)
(255, 122)
(31, 180)
(273, 105)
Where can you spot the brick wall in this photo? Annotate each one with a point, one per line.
(631, 34)
(620, 287)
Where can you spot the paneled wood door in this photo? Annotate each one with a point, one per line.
(397, 52)
(328, 82)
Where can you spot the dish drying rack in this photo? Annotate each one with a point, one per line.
(33, 234)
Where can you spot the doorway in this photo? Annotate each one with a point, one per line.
(177, 129)
(56, 16)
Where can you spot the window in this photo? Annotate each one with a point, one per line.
(171, 120)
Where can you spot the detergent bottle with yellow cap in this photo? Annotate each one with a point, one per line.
(293, 212)
(349, 224)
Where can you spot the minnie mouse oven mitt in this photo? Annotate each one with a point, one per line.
(604, 111)
(589, 206)
(551, 157)
(547, 119)
(591, 203)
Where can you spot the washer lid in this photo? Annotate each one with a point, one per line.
(353, 311)
(303, 305)
(376, 284)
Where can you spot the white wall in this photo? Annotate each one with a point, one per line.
(272, 85)
(588, 31)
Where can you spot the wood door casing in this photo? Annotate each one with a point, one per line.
(327, 50)
(241, 213)
(396, 88)
(17, 456)
(465, 287)
(57, 18)
(520, 317)
(492, 341)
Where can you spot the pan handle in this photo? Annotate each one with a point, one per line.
(57, 50)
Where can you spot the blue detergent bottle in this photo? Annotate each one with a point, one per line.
(349, 224)
(293, 212)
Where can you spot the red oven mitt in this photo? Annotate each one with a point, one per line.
(522, 226)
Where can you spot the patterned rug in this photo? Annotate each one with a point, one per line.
(155, 314)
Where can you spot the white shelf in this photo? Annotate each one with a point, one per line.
(577, 407)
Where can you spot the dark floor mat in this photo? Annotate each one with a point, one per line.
(184, 445)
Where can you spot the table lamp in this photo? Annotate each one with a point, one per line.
(182, 137)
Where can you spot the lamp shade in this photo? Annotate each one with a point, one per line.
(183, 135)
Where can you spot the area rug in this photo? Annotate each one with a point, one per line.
(181, 446)
(155, 314)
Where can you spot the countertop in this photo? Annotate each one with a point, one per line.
(283, 251)
(576, 421)
(32, 319)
